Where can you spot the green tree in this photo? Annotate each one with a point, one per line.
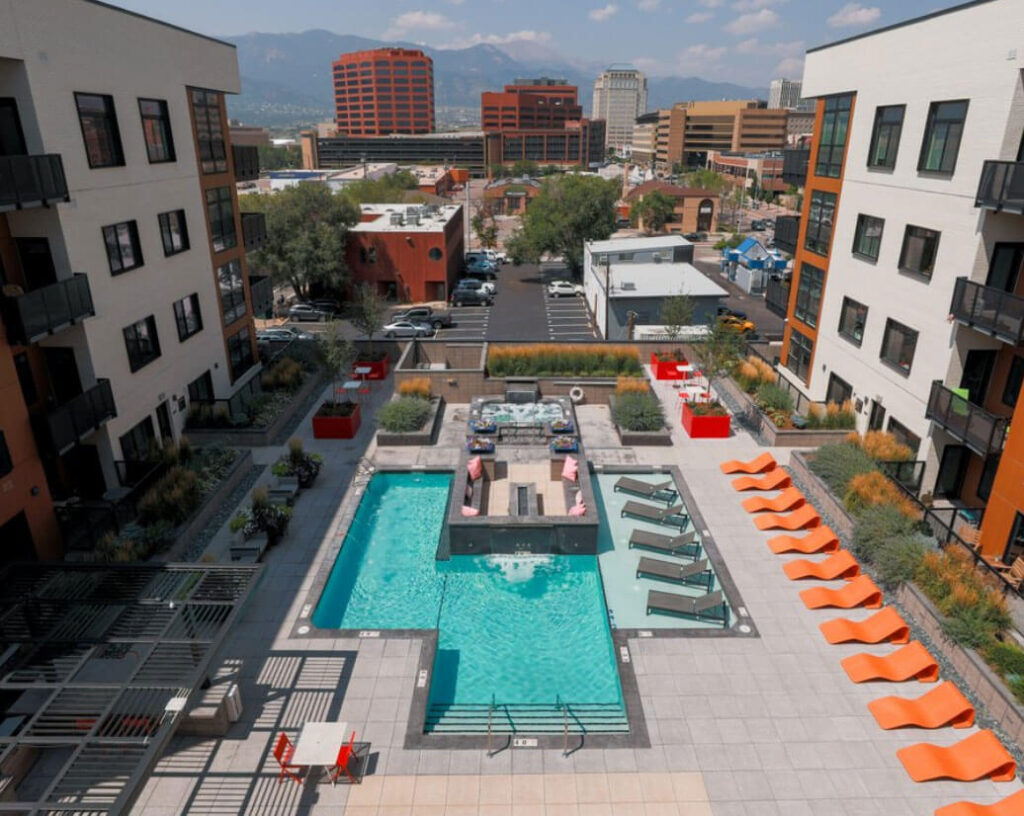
(719, 351)
(567, 211)
(676, 313)
(655, 210)
(335, 355)
(370, 312)
(525, 167)
(307, 227)
(389, 189)
(731, 200)
(279, 157)
(485, 227)
(704, 179)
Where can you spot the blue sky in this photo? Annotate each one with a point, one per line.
(747, 41)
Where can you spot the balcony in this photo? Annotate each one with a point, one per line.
(787, 231)
(68, 424)
(247, 162)
(794, 166)
(1001, 187)
(42, 312)
(31, 181)
(776, 297)
(261, 287)
(981, 431)
(989, 310)
(254, 230)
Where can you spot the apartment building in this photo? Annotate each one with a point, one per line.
(125, 287)
(529, 104)
(908, 291)
(688, 131)
(788, 94)
(382, 91)
(620, 96)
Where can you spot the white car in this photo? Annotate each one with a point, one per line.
(559, 288)
(406, 328)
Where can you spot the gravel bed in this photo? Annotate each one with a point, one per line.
(289, 430)
(225, 512)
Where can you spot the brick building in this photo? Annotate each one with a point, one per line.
(695, 211)
(510, 196)
(382, 91)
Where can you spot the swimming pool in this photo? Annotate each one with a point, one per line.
(514, 630)
(535, 413)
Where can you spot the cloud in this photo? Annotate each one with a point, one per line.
(599, 15)
(789, 67)
(854, 14)
(755, 21)
(456, 2)
(696, 57)
(526, 35)
(699, 17)
(712, 3)
(779, 49)
(648, 5)
(754, 5)
(413, 22)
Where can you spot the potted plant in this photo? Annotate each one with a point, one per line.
(562, 426)
(479, 444)
(303, 466)
(335, 419)
(564, 444)
(369, 318)
(706, 420)
(261, 519)
(483, 426)
(665, 364)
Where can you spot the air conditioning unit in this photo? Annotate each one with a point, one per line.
(413, 218)
(628, 286)
(396, 219)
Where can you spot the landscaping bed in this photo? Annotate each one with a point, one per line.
(774, 436)
(424, 436)
(637, 415)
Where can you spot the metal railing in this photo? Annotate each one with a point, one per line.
(254, 230)
(981, 431)
(247, 162)
(1001, 187)
(31, 181)
(776, 296)
(908, 474)
(990, 310)
(41, 312)
(68, 423)
(787, 232)
(794, 165)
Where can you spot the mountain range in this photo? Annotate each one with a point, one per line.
(286, 78)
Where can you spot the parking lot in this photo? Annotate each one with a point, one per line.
(470, 322)
(568, 318)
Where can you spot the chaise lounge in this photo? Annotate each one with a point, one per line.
(666, 490)
(697, 573)
(710, 607)
(681, 545)
(669, 516)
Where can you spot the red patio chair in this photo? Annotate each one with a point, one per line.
(344, 757)
(284, 748)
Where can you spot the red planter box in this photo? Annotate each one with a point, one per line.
(705, 427)
(337, 427)
(666, 370)
(378, 368)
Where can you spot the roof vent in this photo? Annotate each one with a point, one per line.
(396, 219)
(628, 286)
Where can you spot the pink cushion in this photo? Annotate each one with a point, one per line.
(475, 466)
(469, 511)
(571, 469)
(579, 497)
(577, 510)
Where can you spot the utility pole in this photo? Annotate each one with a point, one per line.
(607, 291)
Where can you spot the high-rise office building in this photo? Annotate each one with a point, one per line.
(620, 96)
(785, 93)
(688, 131)
(383, 91)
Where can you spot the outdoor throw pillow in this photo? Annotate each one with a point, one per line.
(475, 466)
(469, 511)
(571, 469)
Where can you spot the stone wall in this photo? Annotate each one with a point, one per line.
(820, 495)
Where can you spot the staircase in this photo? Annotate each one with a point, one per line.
(526, 718)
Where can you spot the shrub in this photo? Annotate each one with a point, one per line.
(746, 375)
(631, 385)
(898, 559)
(284, 375)
(638, 412)
(832, 416)
(838, 463)
(774, 398)
(563, 360)
(875, 488)
(974, 608)
(403, 415)
(882, 446)
(172, 499)
(877, 525)
(1005, 657)
(416, 387)
(713, 408)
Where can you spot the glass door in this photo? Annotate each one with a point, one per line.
(951, 471)
(12, 138)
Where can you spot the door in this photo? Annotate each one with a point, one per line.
(951, 471)
(163, 420)
(1004, 268)
(17, 538)
(84, 472)
(704, 213)
(877, 418)
(977, 372)
(12, 138)
(36, 262)
(65, 383)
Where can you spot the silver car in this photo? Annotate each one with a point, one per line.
(305, 312)
(408, 328)
(281, 334)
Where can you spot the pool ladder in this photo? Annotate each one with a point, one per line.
(565, 727)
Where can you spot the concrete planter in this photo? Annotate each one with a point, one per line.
(707, 426)
(378, 368)
(666, 369)
(337, 427)
(641, 439)
(820, 495)
(425, 436)
(773, 436)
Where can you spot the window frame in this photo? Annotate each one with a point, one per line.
(181, 319)
(203, 381)
(6, 460)
(892, 325)
(834, 378)
(136, 360)
(164, 119)
(876, 129)
(815, 227)
(164, 221)
(1011, 396)
(902, 265)
(215, 216)
(246, 360)
(808, 350)
(111, 232)
(832, 118)
(211, 159)
(903, 434)
(864, 221)
(141, 431)
(114, 134)
(813, 275)
(850, 336)
(233, 306)
(930, 124)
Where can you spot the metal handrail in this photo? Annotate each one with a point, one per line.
(982, 431)
(988, 309)
(1001, 186)
(490, 726)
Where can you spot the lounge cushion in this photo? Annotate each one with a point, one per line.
(571, 469)
(475, 467)
(469, 511)
(578, 509)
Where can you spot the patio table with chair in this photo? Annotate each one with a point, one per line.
(324, 744)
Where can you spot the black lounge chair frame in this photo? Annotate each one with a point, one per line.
(710, 607)
(635, 487)
(670, 516)
(682, 546)
(697, 573)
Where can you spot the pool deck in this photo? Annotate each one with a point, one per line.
(756, 726)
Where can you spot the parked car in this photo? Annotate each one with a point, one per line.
(329, 306)
(482, 267)
(726, 311)
(757, 225)
(425, 314)
(305, 312)
(737, 323)
(560, 288)
(407, 328)
(490, 287)
(696, 236)
(471, 297)
(281, 334)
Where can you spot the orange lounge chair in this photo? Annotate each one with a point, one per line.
(840, 564)
(772, 480)
(1012, 805)
(820, 539)
(979, 756)
(786, 500)
(758, 464)
(910, 662)
(885, 625)
(943, 705)
(804, 516)
(861, 591)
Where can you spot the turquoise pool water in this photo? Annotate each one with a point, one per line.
(528, 629)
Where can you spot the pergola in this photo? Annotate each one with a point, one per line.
(97, 666)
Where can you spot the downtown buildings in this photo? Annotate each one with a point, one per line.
(907, 296)
(620, 96)
(383, 91)
(126, 293)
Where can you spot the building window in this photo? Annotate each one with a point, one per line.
(232, 291)
(903, 435)
(98, 119)
(839, 390)
(1015, 543)
(221, 212)
(209, 131)
(435, 254)
(988, 477)
(201, 388)
(156, 127)
(139, 441)
(6, 463)
(898, 346)
(1014, 381)
(808, 295)
(188, 317)
(852, 319)
(239, 353)
(820, 217)
(123, 251)
(26, 379)
(885, 136)
(942, 136)
(920, 246)
(835, 124)
(867, 240)
(142, 343)
(173, 231)
(799, 358)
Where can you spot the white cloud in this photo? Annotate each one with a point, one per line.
(854, 14)
(776, 49)
(456, 2)
(648, 5)
(599, 15)
(755, 21)
(413, 22)
(526, 35)
(754, 5)
(789, 67)
(699, 17)
(696, 58)
(712, 3)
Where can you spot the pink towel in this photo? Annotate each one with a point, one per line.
(469, 511)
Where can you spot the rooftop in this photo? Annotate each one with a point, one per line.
(637, 244)
(635, 280)
(405, 217)
(671, 190)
